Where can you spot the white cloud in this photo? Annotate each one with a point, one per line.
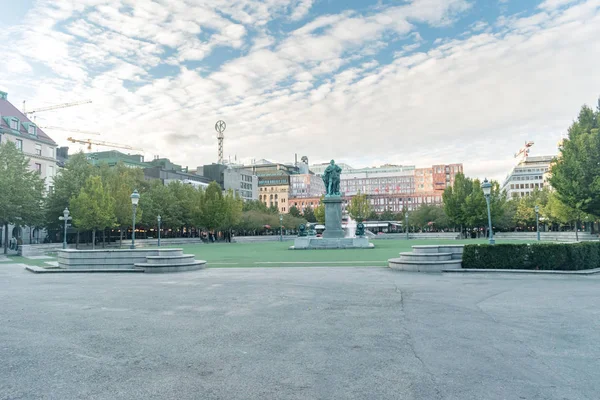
(302, 8)
(554, 4)
(473, 99)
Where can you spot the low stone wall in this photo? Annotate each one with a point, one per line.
(29, 250)
(417, 236)
(547, 236)
(256, 239)
(109, 258)
(429, 258)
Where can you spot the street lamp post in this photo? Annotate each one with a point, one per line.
(135, 198)
(65, 218)
(406, 222)
(158, 219)
(281, 227)
(537, 221)
(487, 191)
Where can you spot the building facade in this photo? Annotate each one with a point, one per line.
(30, 139)
(243, 183)
(530, 174)
(397, 187)
(306, 186)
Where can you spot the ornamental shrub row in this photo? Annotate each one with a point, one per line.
(543, 256)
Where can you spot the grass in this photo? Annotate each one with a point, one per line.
(276, 254)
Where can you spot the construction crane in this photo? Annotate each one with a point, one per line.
(523, 152)
(55, 107)
(89, 143)
(70, 130)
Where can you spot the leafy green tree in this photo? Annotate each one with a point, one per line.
(159, 200)
(232, 211)
(320, 211)
(294, 212)
(120, 182)
(576, 172)
(273, 209)
(455, 197)
(428, 217)
(213, 209)
(387, 215)
(21, 190)
(67, 185)
(255, 205)
(359, 207)
(309, 214)
(93, 207)
(186, 199)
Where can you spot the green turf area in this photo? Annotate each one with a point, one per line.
(276, 254)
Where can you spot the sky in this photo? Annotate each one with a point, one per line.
(366, 82)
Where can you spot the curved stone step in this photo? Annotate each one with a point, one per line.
(409, 256)
(180, 259)
(423, 266)
(156, 268)
(425, 249)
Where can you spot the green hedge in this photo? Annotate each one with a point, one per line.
(543, 256)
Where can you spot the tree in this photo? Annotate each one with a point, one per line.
(159, 200)
(232, 211)
(294, 212)
(67, 184)
(213, 207)
(387, 215)
(359, 208)
(429, 216)
(576, 172)
(320, 211)
(309, 214)
(255, 205)
(93, 207)
(120, 182)
(454, 198)
(21, 190)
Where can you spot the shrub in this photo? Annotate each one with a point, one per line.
(543, 256)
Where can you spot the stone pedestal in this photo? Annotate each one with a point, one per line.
(333, 217)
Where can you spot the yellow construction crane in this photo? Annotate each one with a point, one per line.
(70, 130)
(55, 107)
(90, 142)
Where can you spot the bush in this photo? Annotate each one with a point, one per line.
(544, 256)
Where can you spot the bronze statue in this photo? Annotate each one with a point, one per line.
(331, 177)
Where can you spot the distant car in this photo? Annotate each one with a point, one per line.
(381, 233)
(319, 235)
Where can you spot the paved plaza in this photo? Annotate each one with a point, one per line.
(298, 333)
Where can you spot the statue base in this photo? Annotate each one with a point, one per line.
(333, 217)
(315, 243)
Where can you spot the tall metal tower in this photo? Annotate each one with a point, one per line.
(220, 128)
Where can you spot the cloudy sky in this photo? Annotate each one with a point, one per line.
(363, 81)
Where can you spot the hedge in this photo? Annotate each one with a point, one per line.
(543, 256)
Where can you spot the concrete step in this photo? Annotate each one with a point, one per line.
(425, 249)
(423, 266)
(408, 256)
(168, 259)
(156, 268)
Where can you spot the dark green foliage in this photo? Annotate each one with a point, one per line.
(545, 256)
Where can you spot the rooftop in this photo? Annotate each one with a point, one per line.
(8, 110)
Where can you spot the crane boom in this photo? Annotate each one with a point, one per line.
(524, 151)
(55, 107)
(90, 142)
(70, 130)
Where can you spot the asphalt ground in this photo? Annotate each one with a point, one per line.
(298, 333)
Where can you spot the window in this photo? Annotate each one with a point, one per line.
(19, 144)
(50, 189)
(14, 124)
(50, 171)
(38, 149)
(38, 168)
(31, 129)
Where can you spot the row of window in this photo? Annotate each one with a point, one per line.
(526, 178)
(527, 186)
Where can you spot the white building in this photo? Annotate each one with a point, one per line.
(242, 181)
(30, 139)
(528, 175)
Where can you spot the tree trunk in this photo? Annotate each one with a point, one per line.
(6, 238)
(120, 237)
(93, 239)
(104, 238)
(577, 230)
(77, 243)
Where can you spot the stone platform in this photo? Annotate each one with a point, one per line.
(316, 243)
(148, 260)
(429, 258)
